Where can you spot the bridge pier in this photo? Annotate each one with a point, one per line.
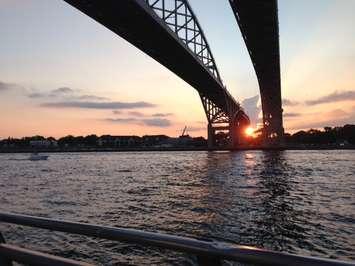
(224, 129)
(225, 136)
(233, 134)
(273, 130)
(261, 36)
(210, 137)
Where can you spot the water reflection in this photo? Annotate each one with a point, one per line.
(276, 221)
(248, 197)
(211, 197)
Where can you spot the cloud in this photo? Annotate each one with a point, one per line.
(123, 120)
(336, 96)
(252, 109)
(90, 98)
(336, 117)
(36, 95)
(97, 105)
(193, 129)
(291, 115)
(4, 86)
(62, 90)
(140, 114)
(154, 122)
(135, 113)
(162, 114)
(7, 86)
(287, 102)
(336, 113)
(67, 93)
(157, 122)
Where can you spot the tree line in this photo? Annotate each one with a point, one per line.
(329, 135)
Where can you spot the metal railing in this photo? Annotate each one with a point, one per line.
(207, 253)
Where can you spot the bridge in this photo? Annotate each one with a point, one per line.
(258, 22)
(169, 32)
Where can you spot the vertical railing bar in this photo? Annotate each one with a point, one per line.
(209, 261)
(2, 238)
(4, 261)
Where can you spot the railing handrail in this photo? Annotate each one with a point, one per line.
(220, 250)
(29, 257)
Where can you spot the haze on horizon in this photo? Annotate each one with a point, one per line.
(63, 73)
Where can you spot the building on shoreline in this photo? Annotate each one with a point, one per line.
(102, 142)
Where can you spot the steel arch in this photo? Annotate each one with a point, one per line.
(181, 19)
(169, 32)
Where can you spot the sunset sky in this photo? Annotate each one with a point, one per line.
(63, 73)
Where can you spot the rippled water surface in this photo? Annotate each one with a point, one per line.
(301, 202)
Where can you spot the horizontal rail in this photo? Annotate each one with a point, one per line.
(216, 250)
(29, 257)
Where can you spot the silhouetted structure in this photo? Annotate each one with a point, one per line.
(169, 32)
(258, 22)
(100, 143)
(331, 137)
(337, 135)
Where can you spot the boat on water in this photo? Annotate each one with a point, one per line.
(38, 157)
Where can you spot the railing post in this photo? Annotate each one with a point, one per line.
(2, 239)
(4, 261)
(208, 261)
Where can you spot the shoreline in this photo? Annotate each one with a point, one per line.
(74, 150)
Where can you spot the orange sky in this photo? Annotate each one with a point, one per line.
(113, 88)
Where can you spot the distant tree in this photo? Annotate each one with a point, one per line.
(328, 136)
(348, 133)
(66, 141)
(199, 142)
(79, 141)
(51, 139)
(91, 140)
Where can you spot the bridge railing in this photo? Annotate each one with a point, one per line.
(207, 252)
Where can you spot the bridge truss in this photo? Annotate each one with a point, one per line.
(169, 32)
(179, 17)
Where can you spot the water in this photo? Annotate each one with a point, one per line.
(296, 201)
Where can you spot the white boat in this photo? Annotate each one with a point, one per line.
(38, 157)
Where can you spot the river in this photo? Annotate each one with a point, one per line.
(301, 202)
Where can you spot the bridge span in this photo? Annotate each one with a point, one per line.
(169, 32)
(258, 22)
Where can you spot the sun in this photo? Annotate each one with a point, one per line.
(249, 131)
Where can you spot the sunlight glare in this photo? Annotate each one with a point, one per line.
(249, 131)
